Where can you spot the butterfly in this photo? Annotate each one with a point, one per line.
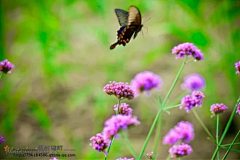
(131, 24)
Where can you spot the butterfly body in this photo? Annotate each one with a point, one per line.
(130, 23)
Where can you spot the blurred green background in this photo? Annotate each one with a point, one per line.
(62, 62)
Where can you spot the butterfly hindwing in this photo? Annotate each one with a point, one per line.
(122, 17)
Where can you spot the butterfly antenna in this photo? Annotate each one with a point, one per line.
(147, 20)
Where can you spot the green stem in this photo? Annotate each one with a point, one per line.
(217, 137)
(225, 145)
(160, 110)
(226, 154)
(166, 108)
(174, 83)
(234, 150)
(106, 155)
(1, 75)
(203, 125)
(149, 134)
(157, 136)
(129, 145)
(226, 129)
(118, 106)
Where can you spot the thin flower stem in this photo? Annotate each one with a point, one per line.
(157, 136)
(118, 106)
(234, 150)
(203, 125)
(149, 134)
(106, 155)
(226, 154)
(217, 137)
(226, 129)
(174, 83)
(1, 75)
(160, 110)
(160, 100)
(166, 108)
(230, 144)
(128, 144)
(177, 99)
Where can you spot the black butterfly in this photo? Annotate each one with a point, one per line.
(130, 22)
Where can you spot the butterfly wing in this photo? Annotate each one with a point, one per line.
(124, 36)
(122, 17)
(135, 19)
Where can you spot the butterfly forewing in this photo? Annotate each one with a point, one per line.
(122, 17)
(134, 16)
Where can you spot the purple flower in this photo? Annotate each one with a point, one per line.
(190, 101)
(180, 150)
(187, 49)
(125, 158)
(2, 139)
(145, 81)
(120, 90)
(193, 82)
(182, 131)
(6, 66)
(118, 122)
(54, 158)
(217, 108)
(237, 66)
(124, 109)
(150, 155)
(99, 143)
(238, 109)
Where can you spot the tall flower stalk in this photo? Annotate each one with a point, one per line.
(160, 110)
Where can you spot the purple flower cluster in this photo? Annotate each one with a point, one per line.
(145, 81)
(237, 66)
(190, 101)
(54, 158)
(99, 143)
(150, 155)
(120, 90)
(124, 109)
(193, 82)
(6, 66)
(125, 158)
(183, 131)
(238, 109)
(180, 150)
(118, 122)
(217, 108)
(2, 139)
(187, 49)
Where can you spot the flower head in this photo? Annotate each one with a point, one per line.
(54, 158)
(238, 109)
(190, 101)
(150, 155)
(180, 150)
(182, 131)
(6, 66)
(237, 66)
(118, 122)
(125, 158)
(120, 90)
(99, 143)
(2, 139)
(193, 82)
(187, 49)
(145, 81)
(217, 108)
(124, 109)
